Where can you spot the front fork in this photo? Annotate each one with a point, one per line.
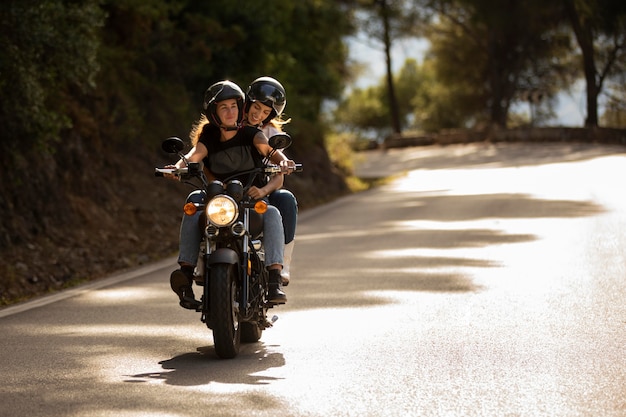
(245, 267)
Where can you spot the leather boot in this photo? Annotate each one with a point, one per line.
(275, 294)
(181, 281)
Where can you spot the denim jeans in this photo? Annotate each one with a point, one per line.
(273, 237)
(286, 203)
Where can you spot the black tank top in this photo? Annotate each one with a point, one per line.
(238, 154)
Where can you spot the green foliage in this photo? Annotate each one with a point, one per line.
(341, 151)
(436, 106)
(485, 57)
(123, 71)
(615, 114)
(363, 109)
(366, 109)
(89, 87)
(46, 48)
(487, 53)
(161, 56)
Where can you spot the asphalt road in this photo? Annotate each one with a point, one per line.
(483, 281)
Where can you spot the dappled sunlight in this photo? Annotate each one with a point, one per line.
(427, 259)
(449, 231)
(483, 155)
(128, 330)
(123, 295)
(331, 235)
(396, 253)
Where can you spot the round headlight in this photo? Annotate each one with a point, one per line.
(222, 211)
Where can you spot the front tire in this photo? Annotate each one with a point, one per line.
(225, 310)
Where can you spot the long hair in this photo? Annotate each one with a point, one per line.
(196, 129)
(278, 123)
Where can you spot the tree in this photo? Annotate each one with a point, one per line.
(367, 109)
(488, 51)
(48, 50)
(94, 83)
(393, 19)
(600, 29)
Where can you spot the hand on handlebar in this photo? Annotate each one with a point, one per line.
(287, 166)
(171, 172)
(174, 175)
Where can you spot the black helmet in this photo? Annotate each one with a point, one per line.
(270, 92)
(220, 91)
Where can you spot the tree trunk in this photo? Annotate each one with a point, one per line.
(584, 36)
(393, 103)
(497, 113)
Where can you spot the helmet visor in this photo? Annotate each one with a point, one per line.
(268, 95)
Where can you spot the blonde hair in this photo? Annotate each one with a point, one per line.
(196, 129)
(278, 122)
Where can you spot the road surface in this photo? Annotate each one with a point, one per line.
(482, 281)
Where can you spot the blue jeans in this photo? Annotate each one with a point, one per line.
(286, 203)
(191, 235)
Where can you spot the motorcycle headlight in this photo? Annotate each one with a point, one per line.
(222, 211)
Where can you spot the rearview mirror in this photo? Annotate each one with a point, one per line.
(173, 145)
(280, 141)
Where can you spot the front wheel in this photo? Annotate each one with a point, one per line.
(225, 310)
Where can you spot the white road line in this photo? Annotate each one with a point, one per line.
(93, 285)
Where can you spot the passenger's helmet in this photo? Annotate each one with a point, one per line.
(270, 92)
(220, 91)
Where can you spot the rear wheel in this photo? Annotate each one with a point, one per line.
(250, 332)
(225, 310)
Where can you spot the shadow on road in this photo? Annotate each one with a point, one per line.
(204, 367)
(428, 240)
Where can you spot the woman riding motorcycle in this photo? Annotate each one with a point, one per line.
(227, 148)
(265, 102)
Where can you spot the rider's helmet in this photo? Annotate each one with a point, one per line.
(268, 91)
(220, 91)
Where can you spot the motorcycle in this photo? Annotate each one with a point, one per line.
(231, 269)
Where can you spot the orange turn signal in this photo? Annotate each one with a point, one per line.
(260, 206)
(190, 209)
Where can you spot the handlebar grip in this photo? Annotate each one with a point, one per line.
(158, 172)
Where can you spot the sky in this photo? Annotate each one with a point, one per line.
(570, 109)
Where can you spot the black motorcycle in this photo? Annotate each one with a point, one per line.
(231, 269)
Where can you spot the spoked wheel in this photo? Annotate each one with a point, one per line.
(225, 310)
(251, 331)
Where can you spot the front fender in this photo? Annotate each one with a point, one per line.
(224, 256)
(197, 197)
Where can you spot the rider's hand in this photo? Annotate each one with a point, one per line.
(287, 166)
(256, 193)
(171, 176)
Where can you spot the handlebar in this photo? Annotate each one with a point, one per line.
(158, 172)
(274, 169)
(193, 169)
